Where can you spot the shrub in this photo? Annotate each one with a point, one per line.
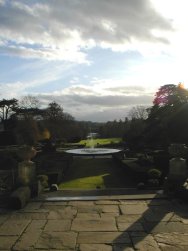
(154, 173)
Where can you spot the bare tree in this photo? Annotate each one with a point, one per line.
(28, 102)
(138, 112)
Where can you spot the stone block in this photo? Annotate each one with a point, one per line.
(108, 208)
(103, 238)
(95, 247)
(109, 215)
(20, 197)
(29, 215)
(165, 227)
(130, 227)
(28, 239)
(94, 225)
(89, 209)
(13, 227)
(64, 213)
(58, 225)
(6, 242)
(89, 216)
(159, 216)
(54, 203)
(172, 241)
(123, 247)
(57, 240)
(134, 209)
(130, 218)
(81, 203)
(145, 244)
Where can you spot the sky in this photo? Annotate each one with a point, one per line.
(97, 59)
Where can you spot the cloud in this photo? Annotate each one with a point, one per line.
(96, 108)
(92, 101)
(65, 30)
(10, 90)
(45, 53)
(2, 2)
(85, 103)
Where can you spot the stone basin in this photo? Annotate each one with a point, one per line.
(93, 151)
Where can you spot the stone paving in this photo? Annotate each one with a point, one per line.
(101, 225)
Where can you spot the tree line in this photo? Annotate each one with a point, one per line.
(29, 123)
(165, 122)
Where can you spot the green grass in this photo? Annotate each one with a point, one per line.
(89, 173)
(95, 142)
(84, 183)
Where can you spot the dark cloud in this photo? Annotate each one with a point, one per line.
(75, 24)
(98, 108)
(109, 101)
(111, 114)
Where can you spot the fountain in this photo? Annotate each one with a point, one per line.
(92, 151)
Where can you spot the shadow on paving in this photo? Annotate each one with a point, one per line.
(160, 221)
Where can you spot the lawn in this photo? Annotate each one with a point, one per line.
(98, 141)
(92, 173)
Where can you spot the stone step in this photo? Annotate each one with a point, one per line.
(100, 194)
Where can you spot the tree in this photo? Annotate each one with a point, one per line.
(54, 112)
(7, 108)
(29, 108)
(28, 102)
(27, 116)
(133, 135)
(171, 95)
(167, 120)
(59, 124)
(138, 112)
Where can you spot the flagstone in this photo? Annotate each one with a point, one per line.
(130, 218)
(147, 243)
(134, 209)
(103, 237)
(130, 227)
(64, 213)
(13, 227)
(29, 215)
(95, 247)
(58, 225)
(94, 224)
(6, 242)
(28, 239)
(165, 227)
(57, 240)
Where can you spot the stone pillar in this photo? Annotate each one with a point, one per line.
(177, 168)
(27, 169)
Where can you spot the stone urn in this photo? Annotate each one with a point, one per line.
(26, 168)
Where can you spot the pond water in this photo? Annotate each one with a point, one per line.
(93, 151)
